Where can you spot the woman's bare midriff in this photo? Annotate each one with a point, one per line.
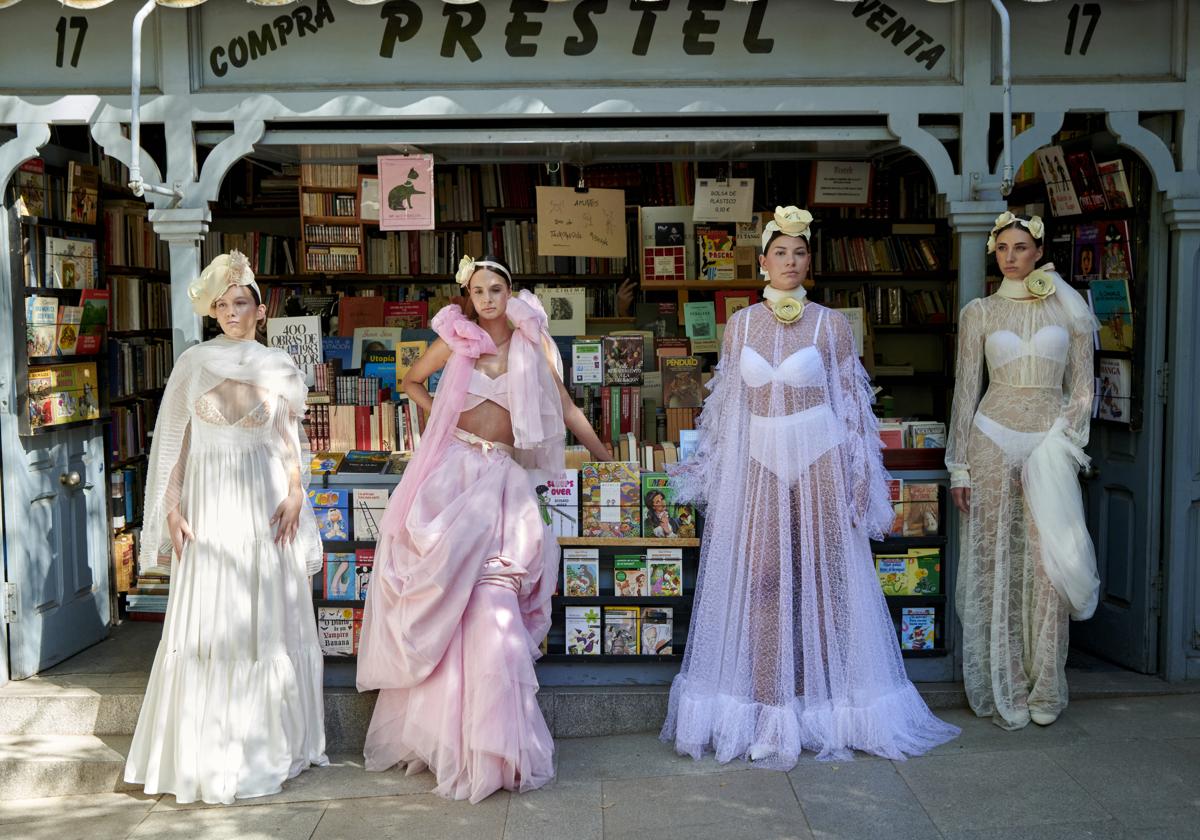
(488, 420)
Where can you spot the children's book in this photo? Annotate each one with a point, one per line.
(582, 625)
(925, 570)
(892, 570)
(335, 630)
(369, 505)
(664, 567)
(70, 263)
(917, 628)
(609, 496)
(1115, 389)
(581, 572)
(657, 630)
(629, 576)
(364, 564)
(681, 382)
(661, 515)
(326, 462)
(83, 193)
(558, 498)
(621, 631)
(623, 355)
(332, 509)
(1111, 304)
(339, 581)
(921, 509)
(63, 394)
(587, 366)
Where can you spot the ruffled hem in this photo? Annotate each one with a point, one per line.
(893, 725)
(219, 730)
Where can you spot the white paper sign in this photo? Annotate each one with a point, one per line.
(724, 201)
(840, 183)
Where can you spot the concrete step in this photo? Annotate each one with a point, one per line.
(60, 765)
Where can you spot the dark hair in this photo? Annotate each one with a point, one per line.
(465, 304)
(651, 494)
(1021, 218)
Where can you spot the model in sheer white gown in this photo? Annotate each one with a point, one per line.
(1035, 337)
(234, 706)
(791, 645)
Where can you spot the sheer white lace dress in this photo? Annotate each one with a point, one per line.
(791, 646)
(1039, 365)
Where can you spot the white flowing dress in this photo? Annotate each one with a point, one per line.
(1038, 355)
(791, 646)
(234, 704)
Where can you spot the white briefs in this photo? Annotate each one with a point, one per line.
(788, 445)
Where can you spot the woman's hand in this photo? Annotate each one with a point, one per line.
(181, 532)
(962, 498)
(287, 517)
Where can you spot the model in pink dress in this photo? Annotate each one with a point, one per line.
(465, 566)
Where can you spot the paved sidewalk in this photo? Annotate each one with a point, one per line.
(1111, 768)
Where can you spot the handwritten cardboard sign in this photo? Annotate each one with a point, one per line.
(580, 224)
(724, 201)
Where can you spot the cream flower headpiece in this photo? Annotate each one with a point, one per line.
(1033, 224)
(226, 270)
(790, 221)
(467, 267)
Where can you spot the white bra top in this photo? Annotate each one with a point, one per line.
(1005, 346)
(483, 387)
(802, 369)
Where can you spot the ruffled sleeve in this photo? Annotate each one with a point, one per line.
(1078, 379)
(464, 336)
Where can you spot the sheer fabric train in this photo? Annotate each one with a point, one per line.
(791, 646)
(234, 705)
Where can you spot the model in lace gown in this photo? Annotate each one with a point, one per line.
(1035, 337)
(233, 707)
(465, 566)
(791, 645)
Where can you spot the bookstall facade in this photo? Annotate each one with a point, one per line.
(572, 90)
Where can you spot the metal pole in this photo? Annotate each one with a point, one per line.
(135, 123)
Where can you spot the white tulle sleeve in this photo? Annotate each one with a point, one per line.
(694, 481)
(968, 387)
(1079, 377)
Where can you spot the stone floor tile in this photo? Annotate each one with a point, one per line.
(1012, 789)
(1175, 716)
(1106, 830)
(981, 735)
(561, 809)
(421, 815)
(1136, 778)
(854, 799)
(756, 804)
(294, 821)
(629, 756)
(93, 817)
(344, 778)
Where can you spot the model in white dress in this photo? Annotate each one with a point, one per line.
(1038, 356)
(234, 705)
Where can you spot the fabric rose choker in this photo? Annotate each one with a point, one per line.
(1033, 224)
(467, 266)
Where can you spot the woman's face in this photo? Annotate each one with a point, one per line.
(238, 314)
(1086, 262)
(659, 503)
(1016, 253)
(786, 262)
(489, 294)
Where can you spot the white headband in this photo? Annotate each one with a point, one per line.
(1033, 224)
(467, 267)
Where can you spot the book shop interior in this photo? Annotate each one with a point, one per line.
(639, 253)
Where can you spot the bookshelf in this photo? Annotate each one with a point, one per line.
(332, 237)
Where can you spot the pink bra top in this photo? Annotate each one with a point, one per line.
(483, 387)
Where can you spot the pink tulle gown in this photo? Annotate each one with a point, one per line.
(460, 599)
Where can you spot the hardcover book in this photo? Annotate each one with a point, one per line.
(364, 564)
(332, 508)
(70, 263)
(581, 572)
(623, 355)
(629, 576)
(1111, 304)
(661, 515)
(1115, 384)
(657, 629)
(339, 582)
(681, 382)
(558, 497)
(335, 630)
(369, 505)
(621, 631)
(582, 625)
(83, 193)
(664, 568)
(917, 628)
